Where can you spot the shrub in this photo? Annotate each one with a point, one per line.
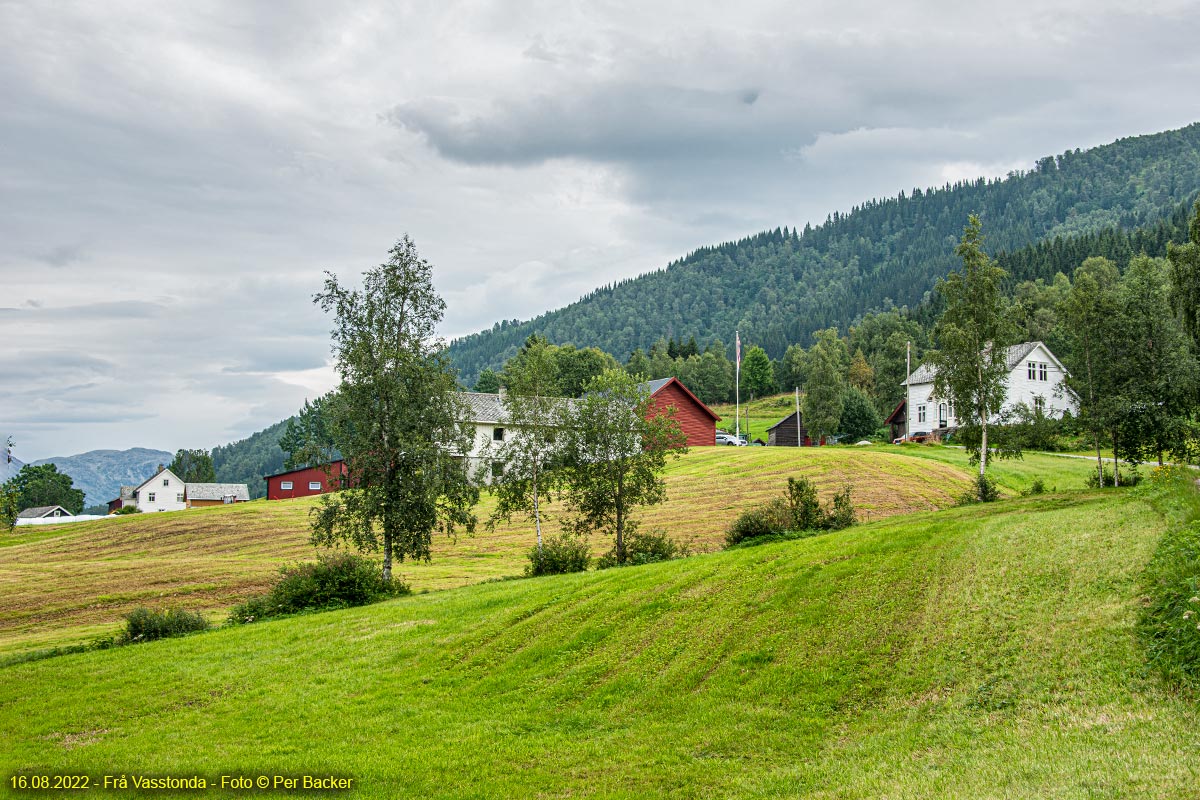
(559, 555)
(983, 490)
(128, 510)
(334, 580)
(144, 625)
(1129, 477)
(774, 517)
(805, 509)
(842, 515)
(645, 548)
(1038, 486)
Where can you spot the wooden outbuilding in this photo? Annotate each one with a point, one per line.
(697, 421)
(786, 433)
(307, 481)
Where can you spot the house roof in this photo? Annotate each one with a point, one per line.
(895, 417)
(41, 511)
(331, 466)
(217, 491)
(658, 385)
(1012, 357)
(484, 407)
(789, 418)
(155, 475)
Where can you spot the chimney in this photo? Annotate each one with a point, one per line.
(503, 391)
(160, 469)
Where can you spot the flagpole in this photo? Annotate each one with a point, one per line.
(907, 390)
(737, 386)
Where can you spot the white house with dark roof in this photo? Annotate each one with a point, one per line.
(1035, 379)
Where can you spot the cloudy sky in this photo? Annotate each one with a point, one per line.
(174, 178)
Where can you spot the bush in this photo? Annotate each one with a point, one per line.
(128, 510)
(334, 580)
(799, 511)
(774, 517)
(1129, 477)
(645, 548)
(1038, 486)
(805, 509)
(144, 625)
(983, 490)
(842, 515)
(559, 555)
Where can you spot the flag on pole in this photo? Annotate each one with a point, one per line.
(738, 347)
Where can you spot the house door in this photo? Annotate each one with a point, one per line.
(942, 422)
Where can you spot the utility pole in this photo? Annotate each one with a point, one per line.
(907, 390)
(798, 440)
(737, 386)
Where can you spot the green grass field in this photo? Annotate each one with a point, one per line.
(985, 651)
(71, 583)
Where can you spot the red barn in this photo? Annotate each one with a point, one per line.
(306, 482)
(696, 420)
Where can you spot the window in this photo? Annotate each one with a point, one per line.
(497, 469)
(1041, 372)
(1039, 403)
(151, 497)
(497, 434)
(1031, 370)
(942, 415)
(314, 486)
(920, 413)
(179, 497)
(166, 481)
(285, 485)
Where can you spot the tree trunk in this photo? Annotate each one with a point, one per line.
(1116, 462)
(1092, 413)
(387, 553)
(537, 517)
(618, 499)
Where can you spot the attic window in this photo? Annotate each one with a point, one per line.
(497, 434)
(1032, 370)
(1041, 372)
(166, 481)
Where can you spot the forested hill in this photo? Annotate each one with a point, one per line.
(777, 287)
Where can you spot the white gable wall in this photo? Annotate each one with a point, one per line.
(163, 492)
(929, 413)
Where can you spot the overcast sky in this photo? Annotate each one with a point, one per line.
(174, 178)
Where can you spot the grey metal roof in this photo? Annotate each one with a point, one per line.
(40, 511)
(655, 385)
(217, 491)
(1012, 357)
(484, 407)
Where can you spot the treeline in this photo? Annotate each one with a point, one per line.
(779, 287)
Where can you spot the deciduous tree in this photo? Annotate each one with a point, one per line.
(400, 424)
(44, 485)
(193, 466)
(973, 335)
(615, 453)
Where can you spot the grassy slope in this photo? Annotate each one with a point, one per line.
(74, 582)
(978, 652)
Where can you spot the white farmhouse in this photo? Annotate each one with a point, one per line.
(163, 492)
(1035, 379)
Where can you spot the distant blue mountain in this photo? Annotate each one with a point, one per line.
(101, 473)
(9, 465)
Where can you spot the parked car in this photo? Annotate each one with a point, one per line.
(729, 439)
(918, 437)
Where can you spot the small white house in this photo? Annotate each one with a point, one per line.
(1035, 379)
(163, 492)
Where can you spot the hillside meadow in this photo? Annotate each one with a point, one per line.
(975, 652)
(67, 584)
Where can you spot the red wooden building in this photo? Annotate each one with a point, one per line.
(306, 482)
(697, 421)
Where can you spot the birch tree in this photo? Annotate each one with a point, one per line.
(972, 336)
(529, 452)
(399, 421)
